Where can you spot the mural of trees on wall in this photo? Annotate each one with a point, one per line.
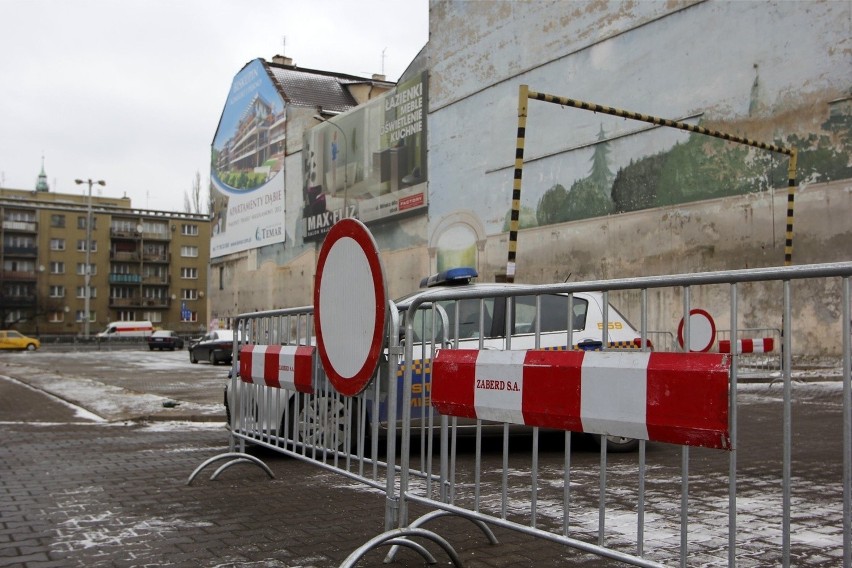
(698, 168)
(588, 197)
(707, 168)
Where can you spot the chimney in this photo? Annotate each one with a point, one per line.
(282, 60)
(378, 77)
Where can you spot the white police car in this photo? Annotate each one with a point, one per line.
(470, 319)
(496, 319)
(499, 319)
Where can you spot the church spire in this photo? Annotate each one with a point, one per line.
(42, 185)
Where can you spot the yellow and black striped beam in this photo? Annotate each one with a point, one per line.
(523, 99)
(791, 199)
(515, 220)
(659, 122)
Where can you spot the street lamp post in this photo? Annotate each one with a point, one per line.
(87, 271)
(346, 159)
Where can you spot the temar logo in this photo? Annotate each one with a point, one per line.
(264, 233)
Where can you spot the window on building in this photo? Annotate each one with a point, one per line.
(123, 225)
(155, 228)
(189, 272)
(126, 316)
(57, 291)
(151, 293)
(80, 316)
(57, 221)
(189, 251)
(22, 216)
(57, 267)
(193, 316)
(56, 317)
(189, 294)
(17, 290)
(81, 292)
(153, 317)
(19, 266)
(155, 271)
(121, 292)
(81, 269)
(15, 316)
(154, 251)
(81, 245)
(189, 229)
(19, 241)
(57, 244)
(81, 222)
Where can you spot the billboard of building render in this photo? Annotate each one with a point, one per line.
(369, 163)
(247, 189)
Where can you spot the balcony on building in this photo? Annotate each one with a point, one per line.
(17, 300)
(124, 255)
(160, 256)
(22, 251)
(133, 302)
(115, 278)
(133, 234)
(154, 279)
(20, 275)
(20, 226)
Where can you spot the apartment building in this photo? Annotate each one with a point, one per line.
(143, 264)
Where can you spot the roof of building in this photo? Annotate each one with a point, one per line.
(305, 87)
(119, 206)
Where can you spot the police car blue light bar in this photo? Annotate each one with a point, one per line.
(451, 277)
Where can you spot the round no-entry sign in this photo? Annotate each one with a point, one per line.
(350, 306)
(702, 331)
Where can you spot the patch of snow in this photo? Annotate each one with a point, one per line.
(79, 411)
(88, 525)
(181, 426)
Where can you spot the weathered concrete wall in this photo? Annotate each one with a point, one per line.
(726, 234)
(733, 64)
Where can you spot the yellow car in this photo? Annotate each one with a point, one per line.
(11, 339)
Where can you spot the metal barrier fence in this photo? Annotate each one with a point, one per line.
(279, 398)
(629, 509)
(757, 362)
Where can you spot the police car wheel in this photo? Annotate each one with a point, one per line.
(619, 444)
(320, 422)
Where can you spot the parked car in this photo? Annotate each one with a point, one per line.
(11, 339)
(484, 320)
(215, 347)
(118, 329)
(165, 339)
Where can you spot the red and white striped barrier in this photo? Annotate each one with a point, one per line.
(280, 366)
(760, 345)
(681, 398)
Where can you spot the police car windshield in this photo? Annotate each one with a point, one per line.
(487, 317)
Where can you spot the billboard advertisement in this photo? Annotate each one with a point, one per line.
(369, 163)
(247, 162)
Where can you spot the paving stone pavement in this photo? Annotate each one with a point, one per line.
(83, 494)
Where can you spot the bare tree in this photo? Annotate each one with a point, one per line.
(192, 201)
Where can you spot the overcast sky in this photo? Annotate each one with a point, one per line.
(131, 91)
